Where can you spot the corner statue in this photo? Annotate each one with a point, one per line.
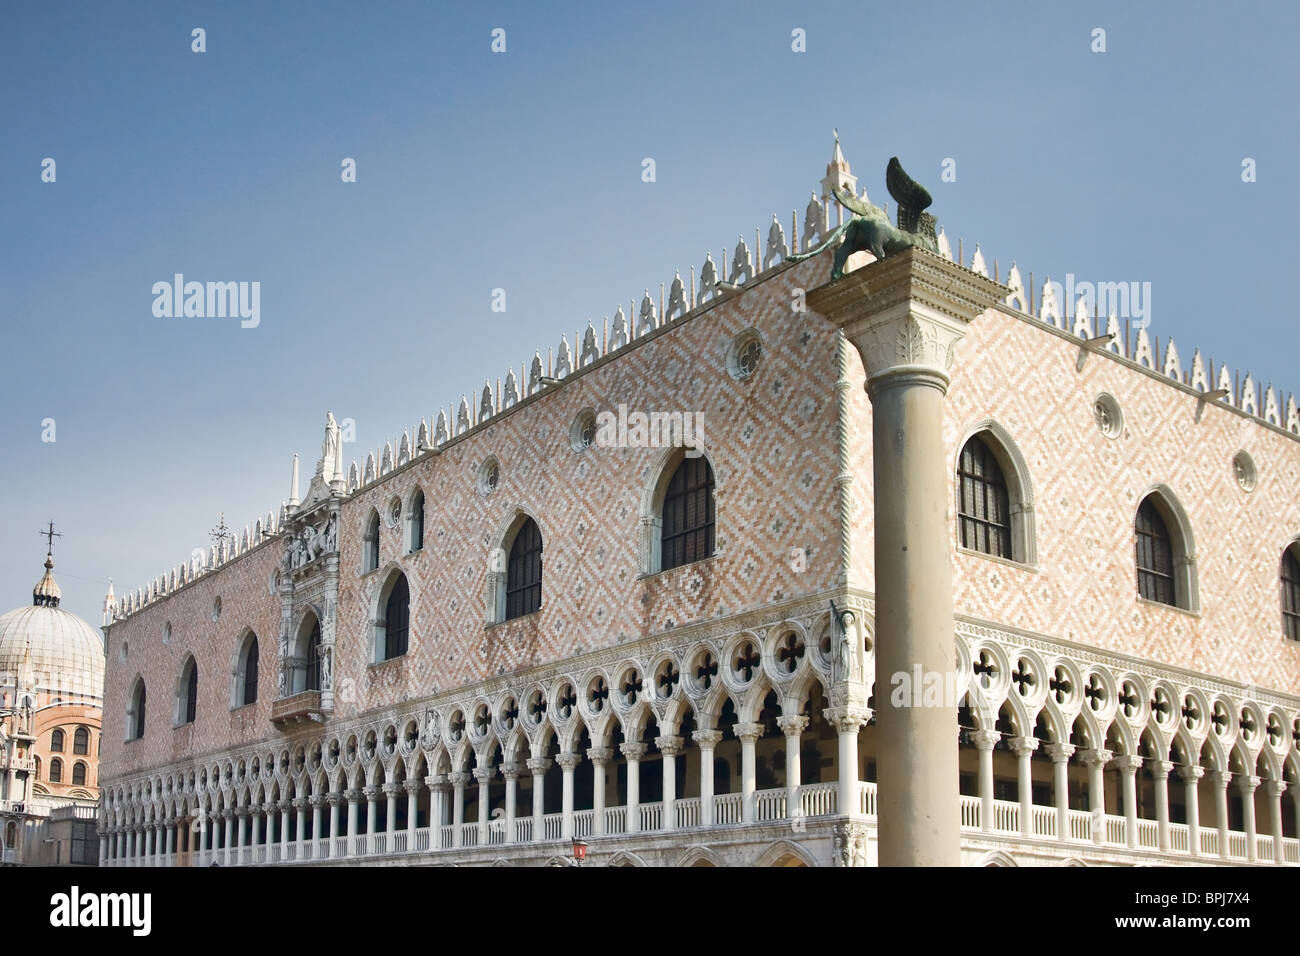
(870, 231)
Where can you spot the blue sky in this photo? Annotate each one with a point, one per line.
(522, 171)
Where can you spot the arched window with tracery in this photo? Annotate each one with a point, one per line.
(1290, 579)
(984, 511)
(1155, 556)
(187, 705)
(688, 514)
(397, 620)
(524, 571)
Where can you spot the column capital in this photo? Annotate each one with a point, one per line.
(286, 805)
(1022, 746)
(538, 765)
(458, 779)
(1248, 783)
(707, 739)
(370, 792)
(986, 739)
(750, 730)
(412, 784)
(906, 312)
(1190, 772)
(568, 761)
(1095, 757)
(600, 755)
(1129, 763)
(437, 781)
(1276, 787)
(1221, 778)
(269, 808)
(633, 751)
(1060, 753)
(299, 803)
(669, 746)
(846, 718)
(391, 789)
(484, 775)
(793, 726)
(352, 794)
(334, 798)
(317, 799)
(1160, 769)
(510, 771)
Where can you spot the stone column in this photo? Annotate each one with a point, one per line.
(599, 756)
(1095, 759)
(203, 840)
(227, 845)
(103, 849)
(285, 807)
(706, 740)
(439, 787)
(372, 814)
(316, 800)
(847, 720)
(1023, 748)
(391, 791)
(511, 772)
(1221, 779)
(793, 728)
(670, 747)
(269, 810)
(171, 843)
(538, 767)
(1160, 774)
(1060, 754)
(748, 734)
(1247, 784)
(986, 740)
(1128, 766)
(1275, 790)
(353, 797)
(905, 314)
(1191, 796)
(458, 782)
(300, 804)
(412, 786)
(241, 833)
(335, 800)
(567, 762)
(255, 840)
(483, 776)
(633, 752)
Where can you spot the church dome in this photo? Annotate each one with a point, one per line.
(62, 653)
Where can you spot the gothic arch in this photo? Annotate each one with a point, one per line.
(658, 477)
(1020, 488)
(997, 858)
(498, 559)
(785, 853)
(699, 856)
(1182, 542)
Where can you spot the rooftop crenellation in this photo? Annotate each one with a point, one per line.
(681, 297)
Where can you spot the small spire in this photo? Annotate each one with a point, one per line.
(293, 485)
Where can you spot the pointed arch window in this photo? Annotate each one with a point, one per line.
(397, 620)
(81, 741)
(313, 658)
(524, 572)
(370, 545)
(135, 719)
(187, 708)
(1155, 556)
(688, 514)
(248, 672)
(984, 512)
(1291, 592)
(56, 742)
(417, 520)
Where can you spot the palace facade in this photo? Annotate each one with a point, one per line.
(507, 631)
